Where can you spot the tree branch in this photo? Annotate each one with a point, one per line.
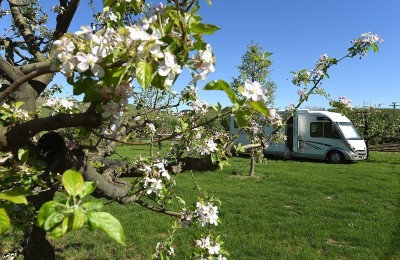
(4, 94)
(163, 138)
(25, 69)
(25, 31)
(152, 208)
(9, 71)
(16, 135)
(64, 19)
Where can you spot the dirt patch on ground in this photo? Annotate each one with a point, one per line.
(392, 147)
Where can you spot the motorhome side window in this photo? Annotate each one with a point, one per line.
(323, 129)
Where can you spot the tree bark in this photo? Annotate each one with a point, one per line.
(35, 244)
(252, 163)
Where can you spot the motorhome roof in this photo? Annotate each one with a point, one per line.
(333, 116)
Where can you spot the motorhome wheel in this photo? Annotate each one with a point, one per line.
(335, 157)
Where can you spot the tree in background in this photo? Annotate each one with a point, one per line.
(256, 67)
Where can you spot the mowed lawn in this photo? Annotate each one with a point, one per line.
(288, 210)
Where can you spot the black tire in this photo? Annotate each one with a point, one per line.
(335, 157)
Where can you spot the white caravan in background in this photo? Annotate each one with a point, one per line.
(315, 135)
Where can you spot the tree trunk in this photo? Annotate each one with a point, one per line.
(35, 244)
(252, 162)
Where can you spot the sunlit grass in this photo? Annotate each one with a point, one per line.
(289, 209)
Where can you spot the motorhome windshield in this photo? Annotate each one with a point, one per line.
(349, 131)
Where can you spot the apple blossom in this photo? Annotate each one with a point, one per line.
(345, 101)
(112, 17)
(253, 91)
(204, 62)
(88, 61)
(169, 67)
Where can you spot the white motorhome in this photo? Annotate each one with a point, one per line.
(316, 135)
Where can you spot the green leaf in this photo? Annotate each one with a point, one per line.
(108, 3)
(4, 221)
(222, 85)
(108, 223)
(23, 155)
(56, 232)
(80, 87)
(79, 218)
(144, 74)
(243, 117)
(119, 9)
(16, 195)
(201, 28)
(87, 188)
(53, 220)
(135, 4)
(92, 205)
(45, 211)
(91, 94)
(18, 104)
(72, 182)
(67, 224)
(375, 47)
(260, 106)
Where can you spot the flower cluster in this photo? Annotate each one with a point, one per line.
(275, 119)
(110, 109)
(368, 37)
(256, 127)
(163, 249)
(58, 105)
(209, 146)
(199, 107)
(189, 93)
(207, 248)
(196, 143)
(12, 113)
(157, 182)
(346, 102)
(278, 137)
(204, 62)
(301, 77)
(363, 44)
(151, 129)
(205, 212)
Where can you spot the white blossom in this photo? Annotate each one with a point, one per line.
(253, 91)
(169, 67)
(112, 17)
(207, 213)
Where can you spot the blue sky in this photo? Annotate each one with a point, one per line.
(297, 33)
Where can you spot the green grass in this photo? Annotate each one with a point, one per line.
(288, 210)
